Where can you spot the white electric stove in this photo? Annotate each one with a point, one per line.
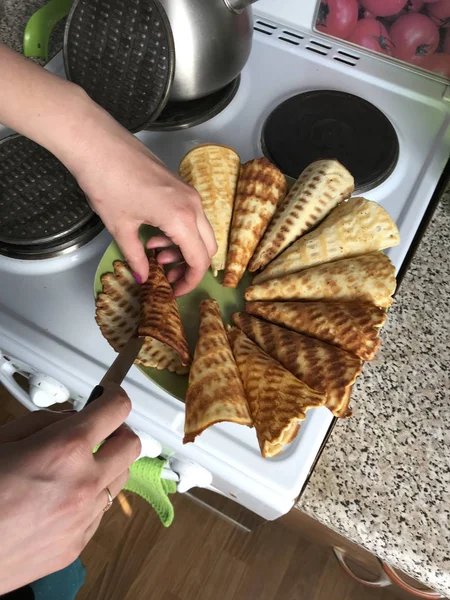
(47, 326)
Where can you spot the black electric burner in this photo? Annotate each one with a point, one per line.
(182, 115)
(329, 124)
(43, 211)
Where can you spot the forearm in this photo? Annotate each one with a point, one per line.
(35, 102)
(53, 112)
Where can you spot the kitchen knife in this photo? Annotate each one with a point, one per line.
(119, 368)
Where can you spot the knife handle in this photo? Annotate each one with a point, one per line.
(96, 393)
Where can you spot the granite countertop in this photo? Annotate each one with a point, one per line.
(383, 477)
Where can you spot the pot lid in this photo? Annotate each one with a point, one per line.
(122, 53)
(40, 200)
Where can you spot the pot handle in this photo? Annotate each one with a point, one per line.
(39, 27)
(238, 6)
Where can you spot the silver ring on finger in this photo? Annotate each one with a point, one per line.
(110, 500)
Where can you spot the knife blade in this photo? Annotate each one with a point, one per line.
(119, 368)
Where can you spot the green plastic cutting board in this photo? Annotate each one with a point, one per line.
(229, 300)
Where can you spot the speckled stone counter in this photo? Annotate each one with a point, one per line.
(383, 479)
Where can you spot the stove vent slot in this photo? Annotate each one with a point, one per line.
(323, 45)
(304, 42)
(318, 47)
(264, 27)
(291, 38)
(317, 50)
(347, 58)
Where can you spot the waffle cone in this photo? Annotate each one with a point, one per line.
(324, 368)
(159, 316)
(318, 190)
(277, 400)
(215, 391)
(213, 170)
(367, 278)
(351, 326)
(117, 314)
(353, 228)
(261, 188)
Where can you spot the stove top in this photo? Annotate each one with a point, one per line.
(330, 124)
(57, 332)
(403, 153)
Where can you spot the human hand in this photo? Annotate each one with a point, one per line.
(127, 186)
(31, 423)
(52, 487)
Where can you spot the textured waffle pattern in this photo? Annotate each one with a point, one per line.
(40, 201)
(352, 326)
(213, 171)
(318, 190)
(369, 278)
(276, 398)
(121, 53)
(117, 315)
(355, 227)
(261, 187)
(322, 367)
(215, 391)
(160, 317)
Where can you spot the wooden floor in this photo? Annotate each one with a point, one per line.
(202, 557)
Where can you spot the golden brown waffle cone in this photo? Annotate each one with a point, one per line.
(160, 318)
(352, 326)
(276, 398)
(322, 367)
(353, 228)
(213, 170)
(368, 278)
(215, 391)
(318, 190)
(261, 188)
(117, 315)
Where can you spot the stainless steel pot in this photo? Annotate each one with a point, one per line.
(213, 39)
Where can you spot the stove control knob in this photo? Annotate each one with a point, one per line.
(45, 391)
(191, 475)
(150, 447)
